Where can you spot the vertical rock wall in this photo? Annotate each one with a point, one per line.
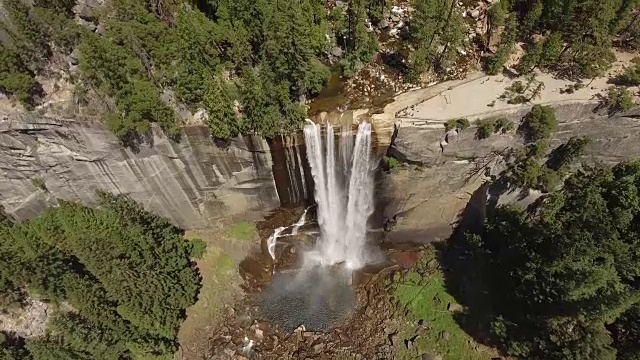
(192, 181)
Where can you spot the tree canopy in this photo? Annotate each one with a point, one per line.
(203, 55)
(565, 274)
(124, 273)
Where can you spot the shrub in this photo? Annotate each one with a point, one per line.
(319, 74)
(350, 66)
(518, 99)
(197, 248)
(539, 123)
(16, 79)
(619, 99)
(496, 63)
(462, 123)
(390, 163)
(504, 124)
(459, 124)
(39, 183)
(486, 128)
(517, 87)
(631, 76)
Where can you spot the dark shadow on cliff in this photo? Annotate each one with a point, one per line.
(398, 155)
(134, 141)
(463, 271)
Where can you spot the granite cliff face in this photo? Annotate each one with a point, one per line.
(195, 182)
(614, 139)
(192, 182)
(428, 199)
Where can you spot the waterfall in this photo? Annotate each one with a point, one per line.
(273, 239)
(300, 222)
(271, 242)
(343, 192)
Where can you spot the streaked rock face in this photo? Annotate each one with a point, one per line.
(425, 142)
(192, 181)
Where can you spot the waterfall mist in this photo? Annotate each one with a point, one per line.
(343, 177)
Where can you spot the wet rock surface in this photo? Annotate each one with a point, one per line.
(366, 333)
(319, 314)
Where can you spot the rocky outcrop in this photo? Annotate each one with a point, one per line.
(193, 181)
(425, 142)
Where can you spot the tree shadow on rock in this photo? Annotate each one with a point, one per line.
(463, 270)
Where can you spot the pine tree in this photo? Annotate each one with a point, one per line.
(223, 121)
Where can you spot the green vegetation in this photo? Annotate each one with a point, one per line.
(504, 124)
(565, 154)
(539, 123)
(488, 127)
(458, 124)
(198, 248)
(361, 44)
(496, 63)
(631, 75)
(220, 287)
(562, 277)
(39, 183)
(571, 88)
(249, 64)
(619, 99)
(432, 313)
(436, 24)
(578, 35)
(32, 34)
(125, 272)
(528, 170)
(16, 79)
(389, 163)
(243, 230)
(520, 93)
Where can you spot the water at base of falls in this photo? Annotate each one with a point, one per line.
(343, 177)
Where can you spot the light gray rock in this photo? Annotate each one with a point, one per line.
(336, 51)
(74, 56)
(192, 182)
(86, 8)
(383, 24)
(88, 24)
(613, 139)
(474, 13)
(200, 116)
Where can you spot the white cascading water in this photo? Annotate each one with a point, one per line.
(271, 242)
(343, 192)
(300, 222)
(273, 239)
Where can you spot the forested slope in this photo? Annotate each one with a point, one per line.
(121, 279)
(252, 64)
(260, 58)
(563, 277)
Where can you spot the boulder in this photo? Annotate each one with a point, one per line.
(86, 8)
(383, 24)
(74, 57)
(201, 116)
(336, 51)
(87, 24)
(474, 13)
